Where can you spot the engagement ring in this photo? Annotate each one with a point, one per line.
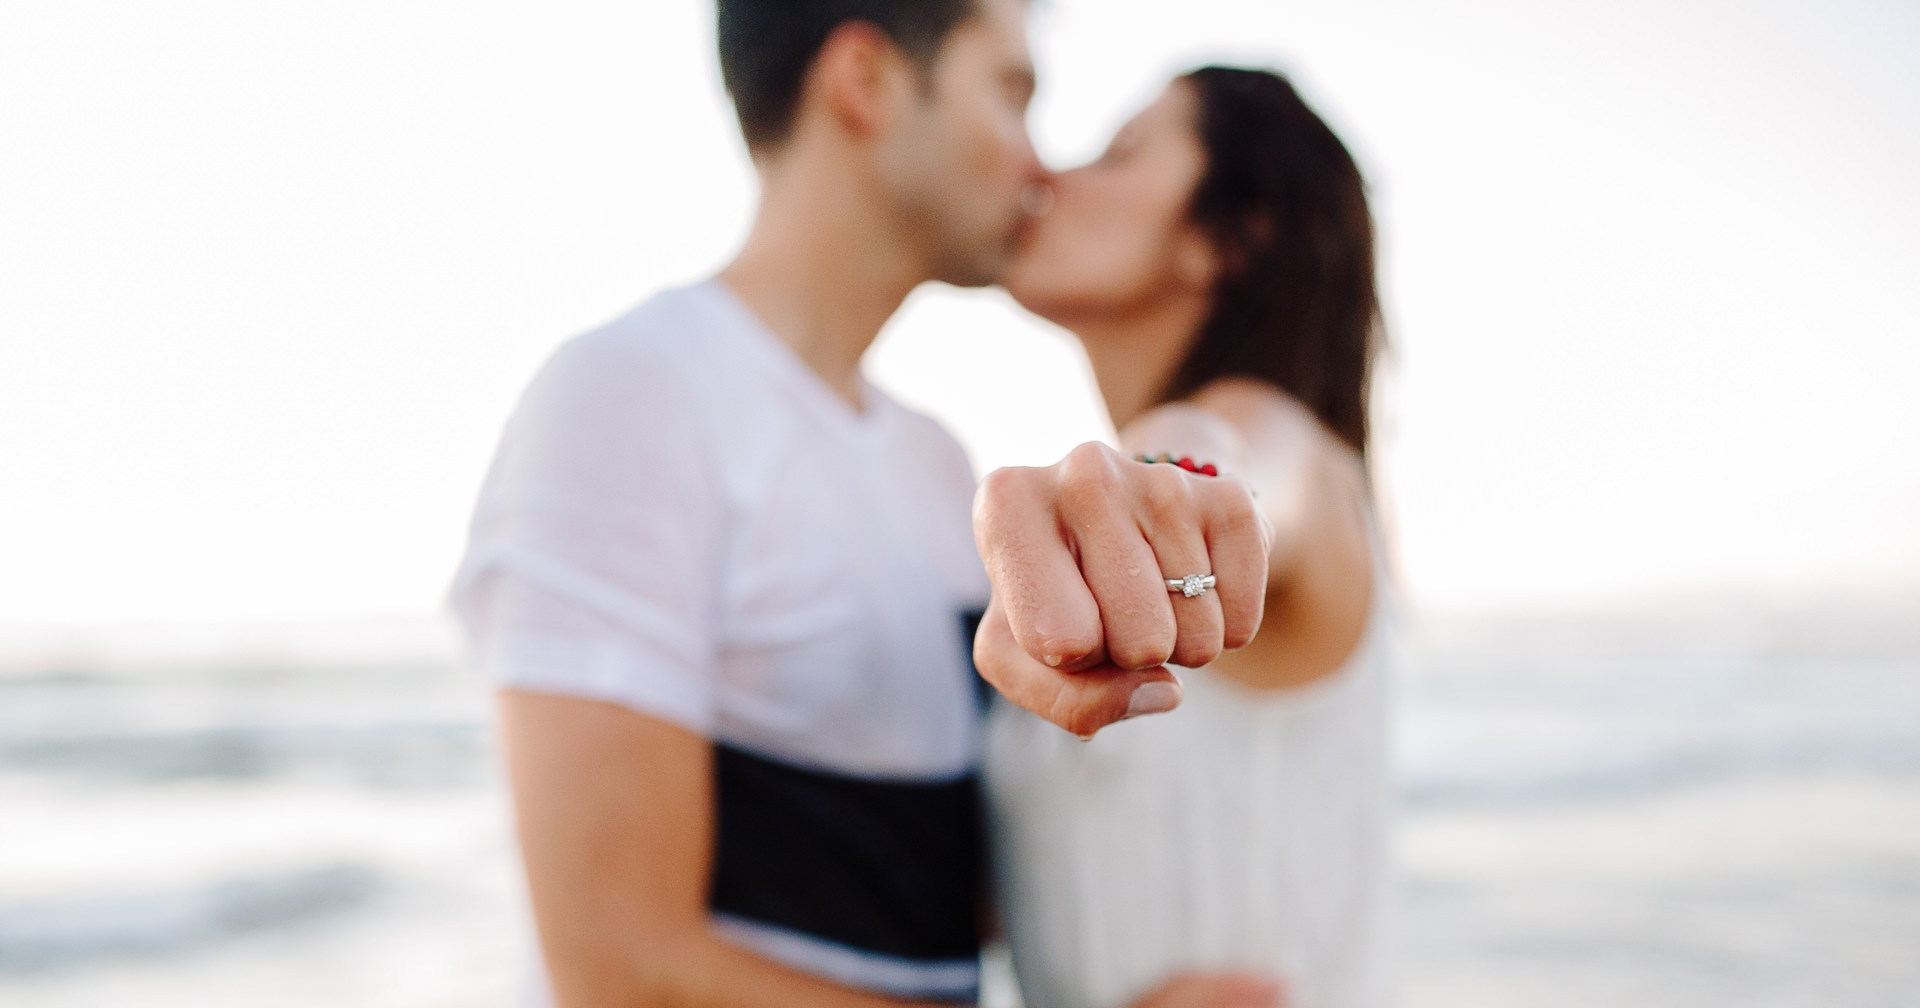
(1192, 585)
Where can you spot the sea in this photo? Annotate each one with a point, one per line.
(1685, 805)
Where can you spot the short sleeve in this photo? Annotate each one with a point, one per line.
(593, 558)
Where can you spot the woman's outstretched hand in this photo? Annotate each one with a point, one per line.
(1082, 621)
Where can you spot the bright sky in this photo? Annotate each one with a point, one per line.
(271, 275)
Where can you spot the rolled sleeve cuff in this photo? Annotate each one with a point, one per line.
(590, 670)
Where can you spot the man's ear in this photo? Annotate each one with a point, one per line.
(859, 78)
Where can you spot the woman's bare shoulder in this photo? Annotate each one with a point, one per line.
(1249, 402)
(1268, 417)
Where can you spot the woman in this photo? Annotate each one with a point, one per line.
(1217, 264)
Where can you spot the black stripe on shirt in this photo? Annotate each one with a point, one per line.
(882, 866)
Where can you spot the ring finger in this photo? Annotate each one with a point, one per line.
(1187, 575)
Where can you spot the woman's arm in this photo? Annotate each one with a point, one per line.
(1312, 489)
(616, 824)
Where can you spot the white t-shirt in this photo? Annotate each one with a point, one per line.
(1246, 829)
(683, 519)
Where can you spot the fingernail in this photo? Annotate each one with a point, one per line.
(1153, 698)
(1052, 660)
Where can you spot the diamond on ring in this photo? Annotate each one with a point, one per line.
(1192, 586)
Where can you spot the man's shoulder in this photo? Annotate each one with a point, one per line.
(670, 324)
(657, 366)
(671, 346)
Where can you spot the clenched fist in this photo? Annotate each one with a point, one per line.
(1083, 620)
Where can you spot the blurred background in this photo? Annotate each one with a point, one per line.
(271, 276)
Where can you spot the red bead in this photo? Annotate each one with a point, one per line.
(1186, 462)
(1209, 470)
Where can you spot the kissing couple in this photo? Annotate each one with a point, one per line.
(795, 713)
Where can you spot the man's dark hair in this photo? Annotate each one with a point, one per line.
(767, 47)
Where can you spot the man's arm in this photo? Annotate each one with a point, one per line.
(1079, 552)
(616, 823)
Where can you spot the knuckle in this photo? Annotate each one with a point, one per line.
(1237, 637)
(1091, 453)
(1087, 489)
(1091, 460)
(1195, 653)
(1143, 653)
(1167, 498)
(1144, 643)
(1232, 505)
(996, 482)
(988, 501)
(986, 660)
(1063, 648)
(1245, 535)
(1000, 486)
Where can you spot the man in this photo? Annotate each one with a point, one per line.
(722, 579)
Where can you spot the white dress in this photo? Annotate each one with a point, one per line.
(1244, 829)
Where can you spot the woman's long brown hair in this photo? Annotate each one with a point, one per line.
(1283, 201)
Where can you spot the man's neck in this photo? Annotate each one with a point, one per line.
(823, 271)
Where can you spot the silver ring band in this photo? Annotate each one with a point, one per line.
(1192, 586)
